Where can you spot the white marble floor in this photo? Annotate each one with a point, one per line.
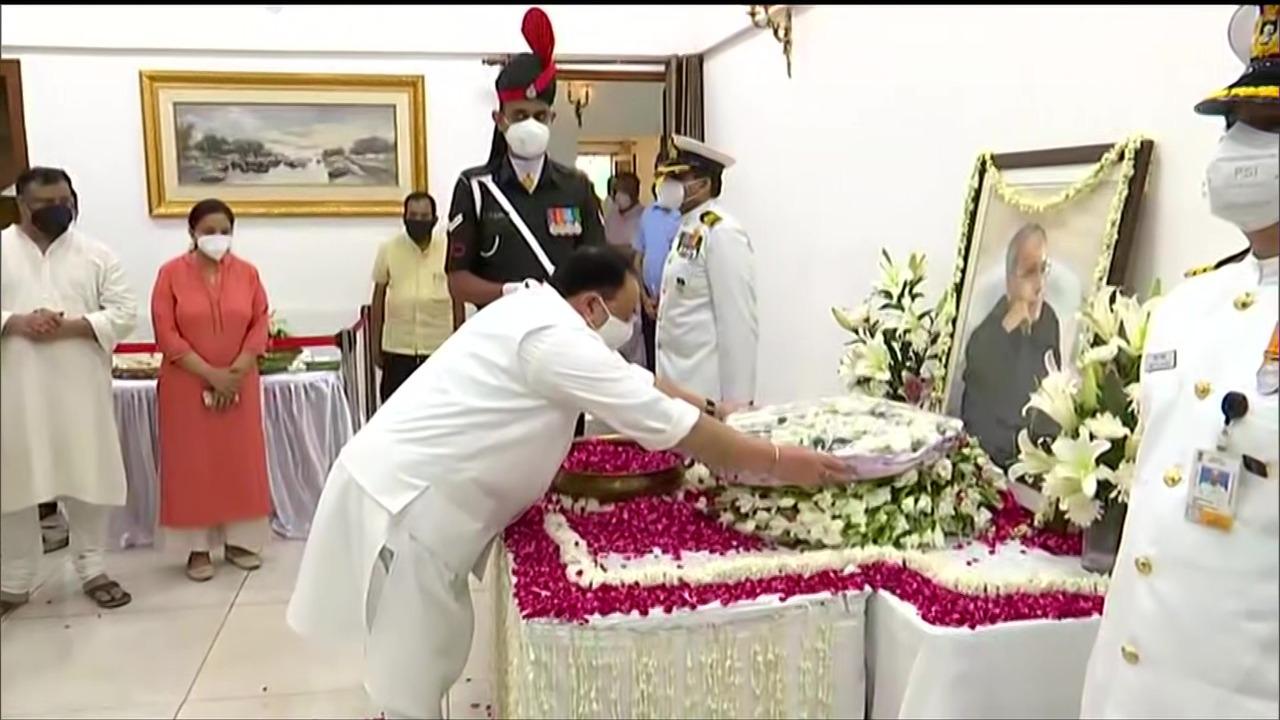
(219, 649)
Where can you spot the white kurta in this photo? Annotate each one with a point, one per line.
(466, 445)
(1192, 621)
(56, 413)
(708, 334)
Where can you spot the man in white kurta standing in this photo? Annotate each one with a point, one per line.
(707, 334)
(470, 442)
(64, 304)
(1191, 627)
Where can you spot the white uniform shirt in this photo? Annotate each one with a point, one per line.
(56, 414)
(707, 332)
(1192, 620)
(485, 423)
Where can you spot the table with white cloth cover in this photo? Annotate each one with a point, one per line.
(1020, 669)
(798, 658)
(306, 419)
(604, 612)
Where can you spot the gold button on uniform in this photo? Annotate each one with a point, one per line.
(1129, 653)
(1173, 476)
(1143, 563)
(1203, 388)
(1245, 301)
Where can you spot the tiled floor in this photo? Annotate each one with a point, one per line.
(219, 649)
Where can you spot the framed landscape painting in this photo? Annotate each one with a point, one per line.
(283, 144)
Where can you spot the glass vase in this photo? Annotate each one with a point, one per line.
(1102, 540)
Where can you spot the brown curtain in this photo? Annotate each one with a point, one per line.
(683, 98)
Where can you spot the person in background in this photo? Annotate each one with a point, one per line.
(416, 498)
(1004, 360)
(65, 304)
(412, 312)
(513, 219)
(1190, 628)
(708, 334)
(209, 311)
(621, 228)
(658, 226)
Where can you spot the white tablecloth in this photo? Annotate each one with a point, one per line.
(307, 421)
(768, 659)
(1024, 669)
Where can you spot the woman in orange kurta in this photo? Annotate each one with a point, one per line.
(209, 311)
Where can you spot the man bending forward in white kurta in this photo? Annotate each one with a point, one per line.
(64, 304)
(470, 441)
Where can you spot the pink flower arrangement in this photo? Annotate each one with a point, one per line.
(604, 457)
(674, 526)
(1014, 522)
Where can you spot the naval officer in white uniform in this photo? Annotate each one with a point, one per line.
(1192, 621)
(707, 331)
(466, 445)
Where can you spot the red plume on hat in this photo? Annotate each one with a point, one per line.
(537, 31)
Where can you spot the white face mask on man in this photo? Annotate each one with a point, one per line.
(614, 332)
(1242, 181)
(528, 139)
(670, 193)
(214, 247)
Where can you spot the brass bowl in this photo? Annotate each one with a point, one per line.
(607, 487)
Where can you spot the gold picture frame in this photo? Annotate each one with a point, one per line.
(274, 169)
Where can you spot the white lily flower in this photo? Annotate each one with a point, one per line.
(1032, 461)
(1056, 397)
(872, 360)
(1100, 316)
(1106, 426)
(1123, 480)
(1076, 471)
(1081, 510)
(1103, 353)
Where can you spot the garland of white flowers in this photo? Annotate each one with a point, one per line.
(582, 569)
(1124, 152)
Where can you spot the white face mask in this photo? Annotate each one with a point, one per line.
(214, 247)
(528, 139)
(1242, 181)
(670, 193)
(614, 332)
(622, 202)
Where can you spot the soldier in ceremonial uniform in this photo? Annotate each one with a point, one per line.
(1192, 621)
(518, 215)
(707, 330)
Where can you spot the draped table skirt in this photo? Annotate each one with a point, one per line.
(306, 419)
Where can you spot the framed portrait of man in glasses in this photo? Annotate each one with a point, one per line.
(1028, 262)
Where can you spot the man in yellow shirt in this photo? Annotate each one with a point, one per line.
(413, 313)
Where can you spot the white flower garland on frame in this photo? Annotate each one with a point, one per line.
(583, 570)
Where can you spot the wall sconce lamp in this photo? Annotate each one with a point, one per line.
(579, 96)
(776, 19)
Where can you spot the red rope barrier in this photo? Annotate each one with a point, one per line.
(284, 343)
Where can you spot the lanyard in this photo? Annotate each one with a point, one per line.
(528, 236)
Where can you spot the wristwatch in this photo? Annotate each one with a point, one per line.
(709, 407)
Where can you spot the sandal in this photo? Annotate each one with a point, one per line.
(241, 558)
(199, 566)
(107, 593)
(11, 601)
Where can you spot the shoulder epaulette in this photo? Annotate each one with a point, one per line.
(475, 172)
(710, 218)
(1228, 260)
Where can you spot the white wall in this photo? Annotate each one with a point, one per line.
(872, 142)
(80, 82)
(82, 113)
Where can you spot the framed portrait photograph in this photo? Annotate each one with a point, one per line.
(1044, 231)
(283, 143)
(13, 129)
